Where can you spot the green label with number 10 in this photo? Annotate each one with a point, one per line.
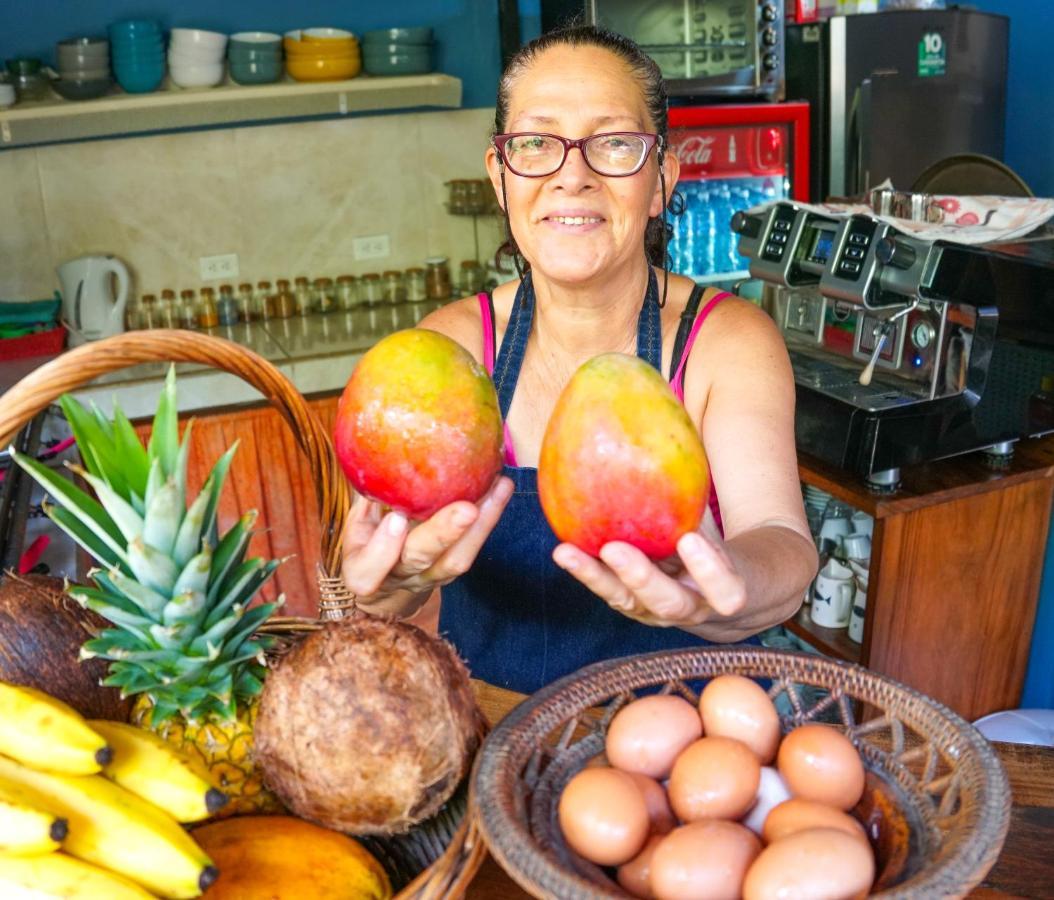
(933, 58)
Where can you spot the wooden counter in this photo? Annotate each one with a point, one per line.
(1024, 869)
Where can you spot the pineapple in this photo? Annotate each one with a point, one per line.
(176, 593)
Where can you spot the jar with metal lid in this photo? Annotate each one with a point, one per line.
(132, 318)
(263, 301)
(415, 285)
(246, 310)
(208, 315)
(188, 309)
(437, 278)
(371, 290)
(284, 301)
(226, 306)
(457, 202)
(325, 297)
(394, 289)
(304, 300)
(347, 292)
(168, 310)
(148, 312)
(472, 277)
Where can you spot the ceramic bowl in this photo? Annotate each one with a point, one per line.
(324, 35)
(335, 68)
(248, 72)
(404, 63)
(193, 56)
(128, 51)
(74, 74)
(294, 48)
(254, 38)
(196, 37)
(199, 75)
(241, 51)
(81, 89)
(421, 35)
(141, 80)
(134, 29)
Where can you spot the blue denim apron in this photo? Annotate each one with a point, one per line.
(518, 619)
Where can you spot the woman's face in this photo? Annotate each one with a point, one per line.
(576, 92)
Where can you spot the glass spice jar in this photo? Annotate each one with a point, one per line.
(208, 315)
(394, 289)
(188, 310)
(371, 291)
(437, 278)
(246, 310)
(471, 277)
(167, 310)
(347, 292)
(302, 293)
(263, 301)
(416, 291)
(284, 301)
(325, 298)
(131, 315)
(226, 306)
(148, 312)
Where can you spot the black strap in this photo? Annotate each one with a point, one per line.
(685, 327)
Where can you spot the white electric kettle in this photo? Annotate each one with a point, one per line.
(89, 308)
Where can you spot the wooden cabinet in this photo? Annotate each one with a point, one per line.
(271, 475)
(956, 559)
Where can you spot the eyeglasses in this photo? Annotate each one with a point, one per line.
(615, 155)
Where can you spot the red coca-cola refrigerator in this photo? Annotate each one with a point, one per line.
(733, 157)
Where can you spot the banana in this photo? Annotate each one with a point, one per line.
(112, 828)
(60, 877)
(25, 828)
(45, 733)
(152, 768)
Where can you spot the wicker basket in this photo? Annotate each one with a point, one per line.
(438, 858)
(936, 796)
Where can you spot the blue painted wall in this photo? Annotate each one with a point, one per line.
(466, 30)
(1029, 124)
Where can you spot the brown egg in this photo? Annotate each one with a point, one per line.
(797, 815)
(736, 707)
(820, 763)
(646, 735)
(635, 876)
(714, 778)
(603, 816)
(659, 813)
(818, 864)
(704, 859)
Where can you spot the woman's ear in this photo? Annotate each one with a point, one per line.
(671, 170)
(494, 166)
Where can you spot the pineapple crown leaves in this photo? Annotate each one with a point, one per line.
(177, 591)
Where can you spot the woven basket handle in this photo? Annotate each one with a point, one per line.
(79, 366)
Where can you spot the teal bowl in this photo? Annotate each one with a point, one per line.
(242, 55)
(243, 72)
(415, 62)
(420, 35)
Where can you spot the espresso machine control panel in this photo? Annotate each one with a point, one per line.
(786, 244)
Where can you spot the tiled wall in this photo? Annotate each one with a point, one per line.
(289, 199)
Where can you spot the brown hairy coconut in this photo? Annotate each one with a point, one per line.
(41, 632)
(367, 726)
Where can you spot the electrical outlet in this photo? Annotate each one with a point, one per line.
(373, 246)
(216, 268)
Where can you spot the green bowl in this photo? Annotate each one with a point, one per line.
(419, 35)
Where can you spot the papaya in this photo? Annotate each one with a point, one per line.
(418, 425)
(621, 460)
(285, 858)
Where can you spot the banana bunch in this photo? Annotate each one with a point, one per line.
(120, 828)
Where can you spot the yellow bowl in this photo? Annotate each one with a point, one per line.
(295, 48)
(325, 35)
(323, 68)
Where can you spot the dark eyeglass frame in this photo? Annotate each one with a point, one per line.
(650, 141)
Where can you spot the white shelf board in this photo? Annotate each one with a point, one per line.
(118, 113)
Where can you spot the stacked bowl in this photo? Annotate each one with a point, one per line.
(397, 51)
(84, 68)
(195, 57)
(137, 52)
(322, 54)
(255, 57)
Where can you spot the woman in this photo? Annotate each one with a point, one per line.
(579, 165)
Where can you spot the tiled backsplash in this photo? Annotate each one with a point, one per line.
(288, 199)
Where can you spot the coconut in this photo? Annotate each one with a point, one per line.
(367, 726)
(41, 632)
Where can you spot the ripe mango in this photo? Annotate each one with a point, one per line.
(621, 460)
(418, 425)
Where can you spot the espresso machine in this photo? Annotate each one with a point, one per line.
(905, 350)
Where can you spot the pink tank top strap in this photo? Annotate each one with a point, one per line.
(486, 316)
(677, 382)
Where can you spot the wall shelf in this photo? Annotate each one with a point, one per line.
(171, 108)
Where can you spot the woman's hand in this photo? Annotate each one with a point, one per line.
(391, 567)
(694, 587)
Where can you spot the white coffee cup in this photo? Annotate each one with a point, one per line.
(834, 528)
(857, 546)
(863, 523)
(832, 595)
(856, 622)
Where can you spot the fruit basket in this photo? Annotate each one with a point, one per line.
(936, 800)
(438, 857)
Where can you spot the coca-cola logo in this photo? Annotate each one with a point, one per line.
(695, 150)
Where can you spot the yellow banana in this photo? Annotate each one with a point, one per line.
(46, 734)
(26, 828)
(155, 770)
(62, 877)
(113, 828)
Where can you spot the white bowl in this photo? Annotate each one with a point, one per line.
(193, 59)
(183, 37)
(196, 76)
(256, 37)
(326, 33)
(192, 51)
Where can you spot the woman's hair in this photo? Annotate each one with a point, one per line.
(653, 87)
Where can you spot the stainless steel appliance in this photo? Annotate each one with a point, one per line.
(905, 350)
(707, 49)
(895, 92)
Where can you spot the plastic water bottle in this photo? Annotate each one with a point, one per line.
(703, 246)
(721, 228)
